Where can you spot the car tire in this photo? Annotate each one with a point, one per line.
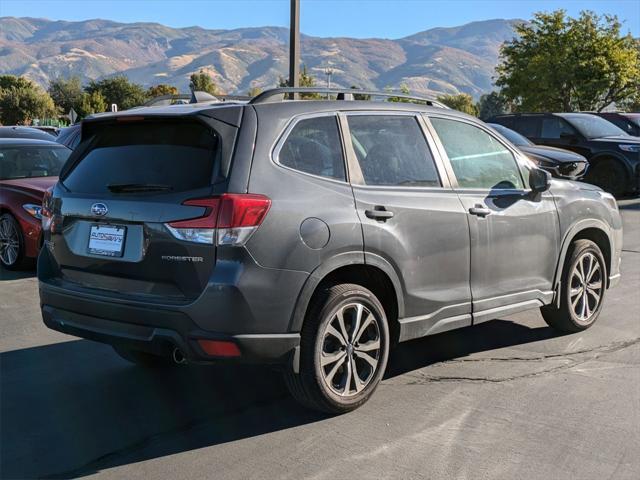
(584, 282)
(344, 348)
(11, 243)
(610, 175)
(144, 359)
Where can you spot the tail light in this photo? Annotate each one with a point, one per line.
(229, 219)
(46, 212)
(46, 203)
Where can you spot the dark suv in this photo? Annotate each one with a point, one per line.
(614, 156)
(313, 235)
(629, 122)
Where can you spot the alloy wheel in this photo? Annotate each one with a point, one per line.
(9, 242)
(351, 346)
(586, 287)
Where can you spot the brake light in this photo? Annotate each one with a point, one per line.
(229, 219)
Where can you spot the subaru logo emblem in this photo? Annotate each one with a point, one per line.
(99, 209)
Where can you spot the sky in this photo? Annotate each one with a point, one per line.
(323, 18)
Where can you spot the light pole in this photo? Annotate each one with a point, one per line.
(328, 71)
(294, 44)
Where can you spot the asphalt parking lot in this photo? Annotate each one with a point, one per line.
(507, 399)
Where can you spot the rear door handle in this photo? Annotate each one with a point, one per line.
(480, 211)
(379, 213)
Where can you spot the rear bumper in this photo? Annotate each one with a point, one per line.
(155, 331)
(152, 330)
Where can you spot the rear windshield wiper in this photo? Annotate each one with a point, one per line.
(138, 187)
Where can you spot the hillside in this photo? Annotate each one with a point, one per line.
(439, 60)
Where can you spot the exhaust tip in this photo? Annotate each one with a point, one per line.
(178, 356)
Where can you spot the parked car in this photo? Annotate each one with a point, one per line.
(25, 132)
(613, 155)
(558, 162)
(27, 169)
(313, 235)
(69, 136)
(629, 122)
(53, 131)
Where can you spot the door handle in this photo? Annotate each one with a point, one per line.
(379, 213)
(479, 210)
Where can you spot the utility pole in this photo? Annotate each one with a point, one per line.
(294, 44)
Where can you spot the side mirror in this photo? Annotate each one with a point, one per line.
(571, 137)
(539, 180)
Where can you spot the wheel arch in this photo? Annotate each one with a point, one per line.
(616, 157)
(376, 275)
(591, 229)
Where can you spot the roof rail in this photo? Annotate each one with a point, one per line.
(341, 94)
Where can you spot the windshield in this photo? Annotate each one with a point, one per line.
(514, 137)
(592, 126)
(31, 161)
(635, 118)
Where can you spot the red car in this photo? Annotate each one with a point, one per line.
(28, 168)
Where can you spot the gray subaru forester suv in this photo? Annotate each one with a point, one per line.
(313, 235)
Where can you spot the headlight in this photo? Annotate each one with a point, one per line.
(33, 210)
(630, 148)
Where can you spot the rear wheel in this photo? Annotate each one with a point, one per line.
(143, 359)
(583, 285)
(610, 175)
(343, 351)
(11, 243)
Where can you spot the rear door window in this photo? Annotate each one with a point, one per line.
(173, 156)
(313, 146)
(392, 150)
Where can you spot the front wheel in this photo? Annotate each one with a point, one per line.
(343, 350)
(584, 280)
(610, 175)
(11, 243)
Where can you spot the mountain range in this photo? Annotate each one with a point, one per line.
(435, 61)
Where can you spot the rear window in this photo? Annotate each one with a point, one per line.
(31, 161)
(178, 156)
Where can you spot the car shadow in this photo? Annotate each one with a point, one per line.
(17, 274)
(78, 408)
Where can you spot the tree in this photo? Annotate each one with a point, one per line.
(559, 63)
(19, 105)
(8, 81)
(202, 82)
(404, 89)
(305, 79)
(118, 90)
(254, 91)
(161, 89)
(91, 103)
(66, 93)
(491, 104)
(462, 102)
